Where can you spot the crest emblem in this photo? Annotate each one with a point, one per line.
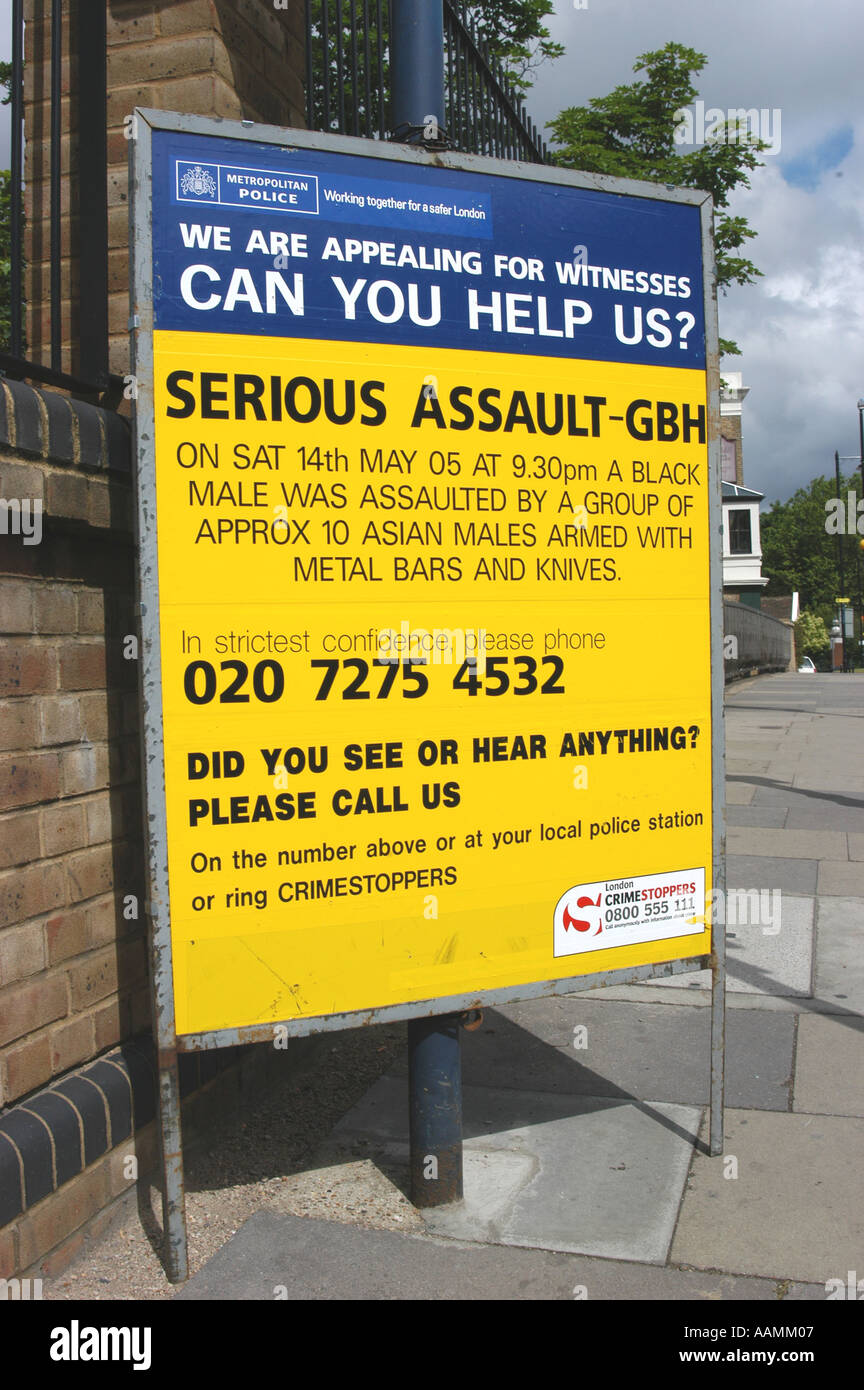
(198, 181)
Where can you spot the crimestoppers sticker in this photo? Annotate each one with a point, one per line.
(623, 911)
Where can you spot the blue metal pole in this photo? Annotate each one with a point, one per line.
(435, 1085)
(434, 1046)
(416, 70)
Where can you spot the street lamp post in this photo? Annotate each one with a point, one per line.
(860, 635)
(839, 617)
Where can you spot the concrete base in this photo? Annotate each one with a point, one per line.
(574, 1173)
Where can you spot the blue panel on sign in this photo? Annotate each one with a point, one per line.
(382, 252)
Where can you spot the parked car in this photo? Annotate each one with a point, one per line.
(806, 668)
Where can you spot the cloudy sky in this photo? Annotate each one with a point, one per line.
(801, 327)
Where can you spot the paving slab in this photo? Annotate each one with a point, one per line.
(799, 876)
(782, 768)
(695, 993)
(794, 1209)
(787, 844)
(588, 1175)
(856, 845)
(743, 725)
(796, 1005)
(768, 817)
(299, 1259)
(831, 786)
(826, 815)
(750, 748)
(639, 1050)
(840, 879)
(840, 958)
(829, 1066)
(739, 793)
(762, 963)
(824, 762)
(770, 794)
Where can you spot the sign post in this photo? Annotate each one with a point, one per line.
(429, 516)
(434, 1046)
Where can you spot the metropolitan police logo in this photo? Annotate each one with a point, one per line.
(198, 181)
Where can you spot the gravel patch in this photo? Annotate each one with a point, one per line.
(270, 1154)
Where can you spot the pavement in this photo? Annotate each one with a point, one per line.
(586, 1165)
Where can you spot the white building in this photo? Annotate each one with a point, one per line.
(742, 546)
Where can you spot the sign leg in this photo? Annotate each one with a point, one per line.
(435, 1101)
(173, 1188)
(718, 1042)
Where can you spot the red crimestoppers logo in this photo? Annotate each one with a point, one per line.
(580, 923)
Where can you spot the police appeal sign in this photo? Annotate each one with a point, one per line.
(429, 493)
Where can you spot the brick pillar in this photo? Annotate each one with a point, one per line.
(37, 194)
(239, 59)
(730, 429)
(73, 972)
(733, 393)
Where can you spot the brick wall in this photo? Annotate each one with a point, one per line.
(74, 1106)
(72, 955)
(73, 961)
(72, 1156)
(239, 59)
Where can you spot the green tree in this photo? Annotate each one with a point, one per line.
(516, 35)
(631, 133)
(800, 549)
(811, 637)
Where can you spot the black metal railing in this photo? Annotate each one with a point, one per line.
(85, 331)
(347, 81)
(347, 58)
(485, 114)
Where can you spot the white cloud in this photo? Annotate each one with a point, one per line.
(800, 326)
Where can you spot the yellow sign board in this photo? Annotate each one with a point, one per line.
(433, 623)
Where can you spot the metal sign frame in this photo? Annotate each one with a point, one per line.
(144, 121)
